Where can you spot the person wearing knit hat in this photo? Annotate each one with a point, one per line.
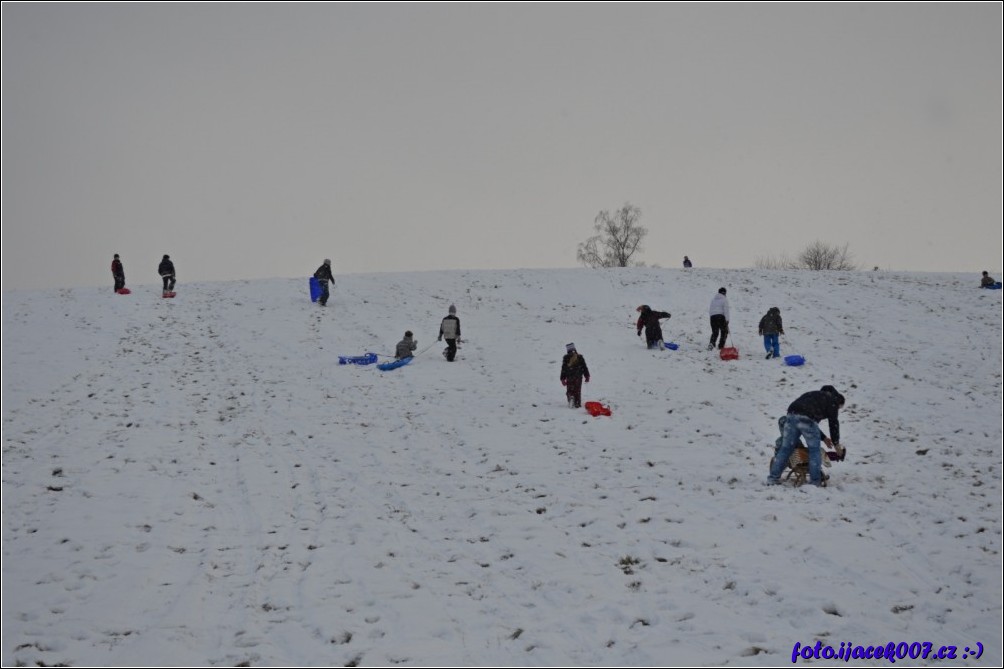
(719, 312)
(406, 347)
(573, 371)
(449, 329)
(118, 273)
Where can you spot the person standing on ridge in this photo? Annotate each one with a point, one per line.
(166, 271)
(118, 273)
(323, 276)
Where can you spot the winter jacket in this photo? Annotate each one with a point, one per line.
(450, 328)
(649, 320)
(117, 270)
(818, 405)
(573, 366)
(719, 307)
(323, 274)
(406, 348)
(166, 267)
(771, 323)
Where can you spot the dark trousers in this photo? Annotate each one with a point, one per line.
(323, 299)
(168, 282)
(719, 330)
(573, 390)
(451, 349)
(119, 282)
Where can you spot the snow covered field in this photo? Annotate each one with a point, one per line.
(198, 481)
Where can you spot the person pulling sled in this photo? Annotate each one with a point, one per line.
(573, 371)
(166, 271)
(323, 276)
(449, 329)
(719, 312)
(118, 273)
(648, 320)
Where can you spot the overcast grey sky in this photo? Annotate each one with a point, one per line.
(254, 140)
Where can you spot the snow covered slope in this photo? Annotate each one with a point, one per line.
(197, 481)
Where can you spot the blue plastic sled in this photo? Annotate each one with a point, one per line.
(794, 360)
(386, 366)
(996, 286)
(367, 359)
(315, 289)
(671, 346)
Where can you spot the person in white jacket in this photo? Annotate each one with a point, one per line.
(719, 312)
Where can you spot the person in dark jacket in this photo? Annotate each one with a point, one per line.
(573, 371)
(803, 419)
(450, 329)
(686, 262)
(987, 281)
(649, 320)
(166, 271)
(118, 273)
(323, 276)
(771, 327)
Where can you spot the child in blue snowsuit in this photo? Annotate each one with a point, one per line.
(770, 327)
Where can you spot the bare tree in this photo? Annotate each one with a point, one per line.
(618, 238)
(815, 256)
(775, 262)
(819, 255)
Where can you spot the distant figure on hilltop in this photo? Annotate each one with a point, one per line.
(406, 347)
(770, 327)
(118, 273)
(166, 271)
(573, 371)
(719, 312)
(986, 282)
(649, 320)
(450, 329)
(686, 262)
(323, 276)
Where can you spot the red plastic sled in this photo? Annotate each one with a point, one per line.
(597, 409)
(170, 293)
(123, 291)
(729, 353)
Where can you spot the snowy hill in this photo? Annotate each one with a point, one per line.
(198, 481)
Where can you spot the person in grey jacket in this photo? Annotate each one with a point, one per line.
(450, 330)
(770, 327)
(719, 312)
(406, 347)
